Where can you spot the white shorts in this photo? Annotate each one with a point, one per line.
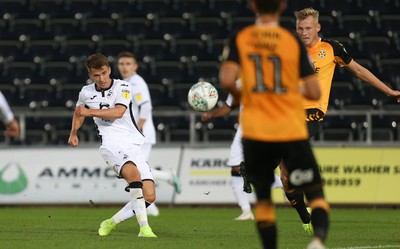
(146, 149)
(117, 154)
(236, 153)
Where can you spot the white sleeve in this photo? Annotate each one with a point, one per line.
(81, 100)
(229, 100)
(142, 93)
(6, 112)
(123, 95)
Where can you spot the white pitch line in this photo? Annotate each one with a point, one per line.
(368, 247)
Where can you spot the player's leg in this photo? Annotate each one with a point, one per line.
(126, 212)
(296, 199)
(261, 161)
(303, 173)
(237, 181)
(130, 158)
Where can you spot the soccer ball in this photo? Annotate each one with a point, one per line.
(202, 96)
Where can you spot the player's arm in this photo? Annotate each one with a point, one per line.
(11, 124)
(310, 89)
(230, 70)
(112, 113)
(219, 112)
(228, 74)
(366, 76)
(77, 122)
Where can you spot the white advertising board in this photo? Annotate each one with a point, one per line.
(69, 175)
(205, 177)
(165, 159)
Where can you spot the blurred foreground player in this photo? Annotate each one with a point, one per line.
(271, 61)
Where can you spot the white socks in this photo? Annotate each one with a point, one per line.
(138, 205)
(240, 196)
(123, 214)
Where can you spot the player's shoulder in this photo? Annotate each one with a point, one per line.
(87, 89)
(120, 83)
(335, 44)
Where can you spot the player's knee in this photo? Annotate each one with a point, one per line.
(265, 212)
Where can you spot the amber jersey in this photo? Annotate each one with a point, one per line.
(272, 60)
(325, 55)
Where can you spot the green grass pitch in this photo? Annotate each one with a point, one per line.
(76, 227)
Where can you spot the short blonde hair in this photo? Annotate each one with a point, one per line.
(304, 13)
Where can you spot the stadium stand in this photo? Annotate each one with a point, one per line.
(44, 44)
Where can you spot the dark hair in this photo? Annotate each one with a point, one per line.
(128, 55)
(267, 6)
(96, 61)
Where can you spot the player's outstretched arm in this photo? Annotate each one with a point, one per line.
(77, 122)
(112, 113)
(219, 112)
(366, 76)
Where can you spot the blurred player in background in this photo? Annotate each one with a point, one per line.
(241, 188)
(142, 111)
(325, 55)
(109, 101)
(271, 61)
(11, 124)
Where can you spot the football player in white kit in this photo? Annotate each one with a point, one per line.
(11, 124)
(240, 187)
(142, 111)
(109, 102)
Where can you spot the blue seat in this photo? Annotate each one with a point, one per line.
(204, 70)
(213, 26)
(155, 48)
(113, 47)
(68, 27)
(78, 48)
(103, 27)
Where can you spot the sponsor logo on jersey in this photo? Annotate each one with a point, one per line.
(126, 94)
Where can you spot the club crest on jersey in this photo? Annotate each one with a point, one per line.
(126, 94)
(109, 93)
(322, 54)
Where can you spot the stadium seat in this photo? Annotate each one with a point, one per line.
(59, 70)
(204, 70)
(196, 7)
(171, 70)
(189, 48)
(102, 27)
(31, 27)
(175, 26)
(155, 48)
(121, 7)
(49, 7)
(213, 26)
(67, 27)
(136, 26)
(390, 22)
(87, 7)
(361, 24)
(78, 48)
(113, 47)
(13, 6)
(12, 48)
(45, 49)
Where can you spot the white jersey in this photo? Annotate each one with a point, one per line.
(5, 112)
(115, 130)
(142, 106)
